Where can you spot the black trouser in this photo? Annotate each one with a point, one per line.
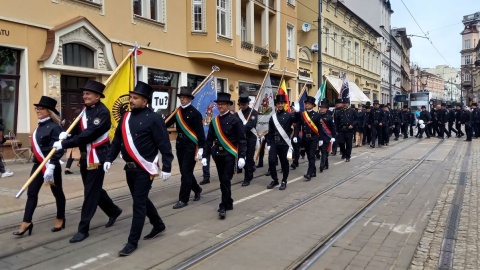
(411, 130)
(281, 151)
(296, 150)
(139, 183)
(325, 153)
(69, 160)
(249, 160)
(206, 170)
(451, 128)
(405, 130)
(186, 151)
(396, 130)
(441, 129)
(469, 130)
(367, 135)
(386, 134)
(433, 129)
(225, 166)
(377, 132)
(311, 145)
(458, 126)
(335, 146)
(2, 163)
(427, 131)
(94, 195)
(344, 138)
(34, 189)
(261, 152)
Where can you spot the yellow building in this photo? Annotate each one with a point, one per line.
(349, 47)
(54, 46)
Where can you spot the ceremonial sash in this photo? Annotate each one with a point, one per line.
(327, 132)
(186, 129)
(253, 130)
(284, 135)
(222, 138)
(36, 150)
(92, 158)
(150, 167)
(309, 122)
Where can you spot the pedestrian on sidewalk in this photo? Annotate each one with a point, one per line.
(140, 154)
(190, 137)
(3, 171)
(43, 138)
(226, 131)
(91, 137)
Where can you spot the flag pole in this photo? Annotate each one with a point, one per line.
(281, 78)
(70, 128)
(260, 89)
(214, 69)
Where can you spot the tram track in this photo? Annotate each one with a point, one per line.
(216, 249)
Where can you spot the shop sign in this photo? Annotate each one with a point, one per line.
(159, 101)
(4, 32)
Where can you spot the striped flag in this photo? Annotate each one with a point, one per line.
(322, 92)
(282, 90)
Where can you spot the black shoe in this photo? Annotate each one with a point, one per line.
(314, 175)
(204, 181)
(386, 144)
(333, 153)
(467, 140)
(112, 219)
(197, 196)
(222, 213)
(78, 237)
(245, 183)
(29, 229)
(347, 160)
(343, 156)
(57, 229)
(259, 165)
(127, 250)
(268, 173)
(293, 166)
(283, 186)
(307, 176)
(155, 232)
(179, 205)
(372, 146)
(239, 171)
(272, 184)
(396, 139)
(68, 172)
(321, 168)
(326, 167)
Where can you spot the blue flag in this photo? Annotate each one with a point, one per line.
(203, 102)
(301, 101)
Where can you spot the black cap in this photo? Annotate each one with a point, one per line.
(424, 107)
(144, 90)
(48, 103)
(324, 104)
(376, 102)
(186, 91)
(223, 97)
(95, 87)
(243, 99)
(311, 100)
(280, 98)
(338, 100)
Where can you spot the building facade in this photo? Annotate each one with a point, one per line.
(402, 38)
(348, 46)
(180, 42)
(470, 40)
(451, 77)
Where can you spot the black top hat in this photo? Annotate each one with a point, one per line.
(353, 106)
(389, 105)
(185, 91)
(424, 107)
(376, 102)
(443, 104)
(475, 104)
(223, 97)
(95, 87)
(311, 100)
(449, 106)
(458, 105)
(405, 106)
(280, 98)
(243, 99)
(382, 106)
(368, 103)
(368, 107)
(143, 89)
(48, 103)
(324, 104)
(346, 100)
(338, 100)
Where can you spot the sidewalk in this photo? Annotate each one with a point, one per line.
(72, 184)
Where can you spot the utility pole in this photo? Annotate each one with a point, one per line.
(319, 63)
(390, 69)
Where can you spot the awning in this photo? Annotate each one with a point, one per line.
(356, 94)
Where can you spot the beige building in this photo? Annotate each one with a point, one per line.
(470, 44)
(42, 54)
(402, 38)
(349, 47)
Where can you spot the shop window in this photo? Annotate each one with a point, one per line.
(9, 80)
(78, 55)
(165, 85)
(221, 85)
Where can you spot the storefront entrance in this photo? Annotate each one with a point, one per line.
(71, 97)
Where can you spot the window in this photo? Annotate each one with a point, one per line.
(468, 60)
(198, 16)
(335, 44)
(290, 41)
(223, 18)
(467, 44)
(244, 29)
(342, 48)
(368, 61)
(77, 55)
(9, 87)
(365, 63)
(349, 51)
(357, 53)
(150, 9)
(466, 77)
(221, 85)
(327, 39)
(291, 2)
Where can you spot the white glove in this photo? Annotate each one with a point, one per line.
(166, 175)
(241, 163)
(320, 143)
(106, 166)
(332, 140)
(200, 153)
(268, 148)
(63, 135)
(48, 175)
(58, 145)
(204, 162)
(295, 140)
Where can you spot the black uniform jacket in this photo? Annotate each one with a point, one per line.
(458, 115)
(467, 117)
(442, 116)
(425, 116)
(232, 128)
(149, 136)
(406, 117)
(376, 117)
(476, 115)
(251, 122)
(285, 120)
(345, 118)
(387, 118)
(397, 116)
(302, 124)
(47, 134)
(328, 120)
(98, 122)
(193, 118)
(451, 116)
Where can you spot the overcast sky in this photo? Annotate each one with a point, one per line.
(441, 20)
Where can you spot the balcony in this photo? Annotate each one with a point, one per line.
(267, 3)
(247, 46)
